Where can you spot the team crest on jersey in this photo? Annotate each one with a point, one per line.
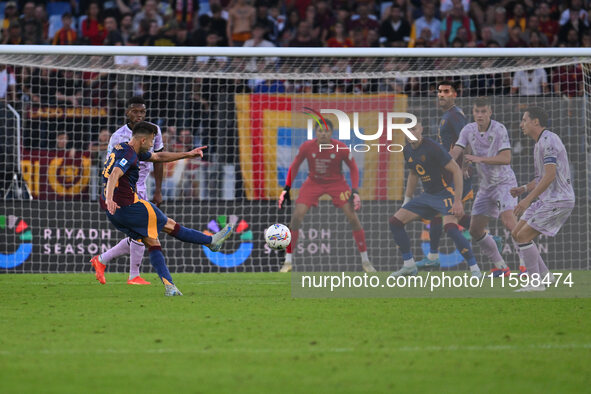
(123, 162)
(118, 147)
(490, 138)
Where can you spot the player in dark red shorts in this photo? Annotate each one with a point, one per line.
(325, 177)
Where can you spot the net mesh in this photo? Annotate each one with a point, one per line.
(253, 113)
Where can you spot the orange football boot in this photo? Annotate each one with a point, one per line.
(99, 269)
(138, 280)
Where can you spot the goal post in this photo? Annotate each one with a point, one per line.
(254, 108)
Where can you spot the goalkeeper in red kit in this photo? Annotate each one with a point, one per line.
(326, 177)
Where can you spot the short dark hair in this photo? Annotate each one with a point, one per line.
(448, 82)
(538, 113)
(139, 100)
(482, 102)
(145, 128)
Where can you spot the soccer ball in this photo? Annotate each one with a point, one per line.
(278, 236)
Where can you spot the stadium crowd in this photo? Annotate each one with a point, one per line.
(200, 106)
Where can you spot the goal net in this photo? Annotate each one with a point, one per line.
(254, 110)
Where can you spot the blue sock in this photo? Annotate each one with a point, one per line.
(401, 237)
(189, 235)
(435, 231)
(157, 261)
(462, 244)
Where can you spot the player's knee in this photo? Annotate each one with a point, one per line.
(517, 236)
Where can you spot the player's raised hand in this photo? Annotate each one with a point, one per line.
(517, 191)
(457, 209)
(197, 152)
(284, 197)
(111, 206)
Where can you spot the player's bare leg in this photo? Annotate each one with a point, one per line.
(359, 236)
(510, 222)
(397, 223)
(450, 225)
(524, 235)
(478, 225)
(294, 226)
(157, 261)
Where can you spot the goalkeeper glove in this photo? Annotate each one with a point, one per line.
(355, 199)
(284, 197)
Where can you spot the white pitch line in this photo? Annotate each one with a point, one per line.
(404, 349)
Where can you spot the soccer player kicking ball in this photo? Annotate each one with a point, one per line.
(489, 142)
(138, 218)
(428, 160)
(554, 192)
(136, 112)
(325, 163)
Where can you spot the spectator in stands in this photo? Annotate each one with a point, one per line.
(93, 31)
(31, 34)
(149, 12)
(126, 27)
(14, 36)
(39, 87)
(310, 17)
(325, 19)
(567, 81)
(42, 23)
(426, 22)
(199, 35)
(290, 28)
(485, 37)
(533, 26)
(113, 37)
(62, 143)
(366, 22)
(218, 24)
(537, 40)
(457, 18)
(447, 6)
(395, 30)
(10, 15)
(530, 82)
(304, 37)
(70, 89)
(500, 31)
(98, 149)
(167, 34)
(339, 39)
(586, 40)
(241, 20)
(262, 18)
(518, 18)
(7, 84)
(548, 25)
(258, 38)
(28, 13)
(572, 39)
(515, 40)
(131, 7)
(575, 8)
(66, 35)
(575, 23)
(278, 21)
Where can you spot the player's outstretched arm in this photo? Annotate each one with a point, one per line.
(411, 186)
(110, 189)
(457, 208)
(502, 158)
(519, 190)
(165, 157)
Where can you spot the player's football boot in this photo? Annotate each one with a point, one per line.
(218, 238)
(171, 291)
(138, 280)
(500, 243)
(368, 267)
(286, 267)
(425, 262)
(497, 272)
(476, 274)
(529, 288)
(522, 270)
(99, 269)
(405, 271)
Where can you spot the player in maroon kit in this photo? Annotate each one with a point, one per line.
(325, 163)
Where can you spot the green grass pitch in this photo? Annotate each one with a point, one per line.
(65, 333)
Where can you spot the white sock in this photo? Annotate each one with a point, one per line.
(364, 257)
(521, 262)
(100, 258)
(409, 263)
(288, 257)
(500, 265)
(474, 268)
(433, 256)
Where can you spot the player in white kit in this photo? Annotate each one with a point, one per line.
(491, 149)
(136, 112)
(552, 187)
